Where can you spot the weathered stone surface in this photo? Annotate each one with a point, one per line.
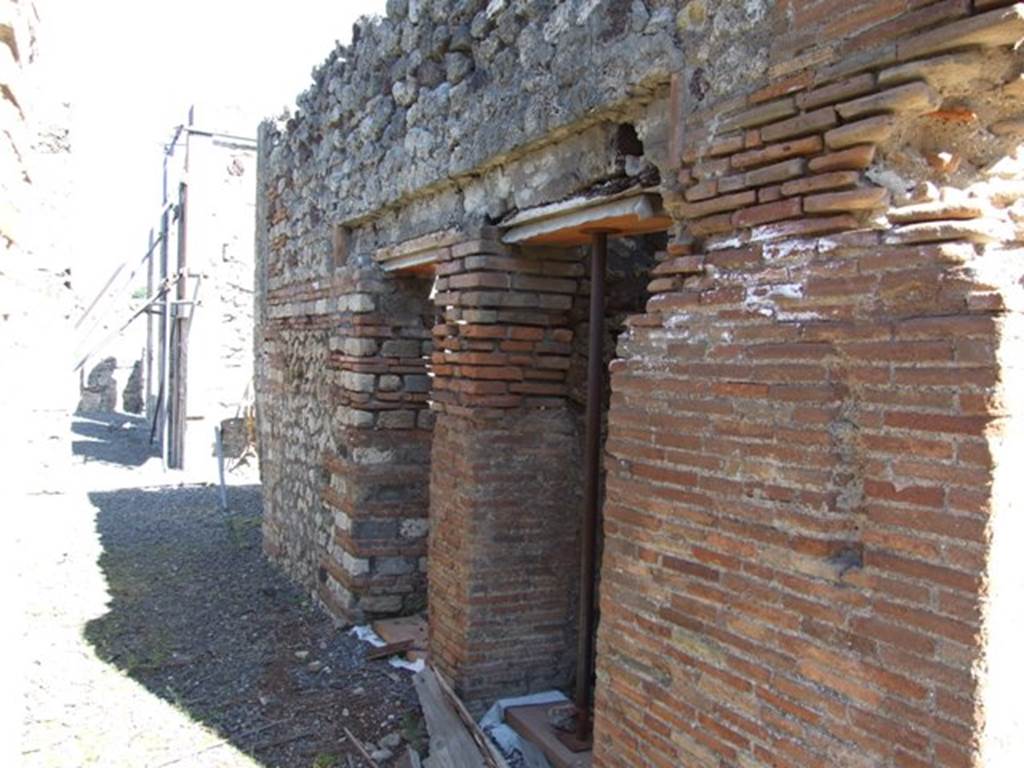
(503, 80)
(977, 231)
(131, 396)
(1015, 87)
(1014, 127)
(945, 71)
(99, 392)
(761, 114)
(718, 204)
(763, 214)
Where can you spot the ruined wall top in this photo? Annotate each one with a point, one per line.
(441, 89)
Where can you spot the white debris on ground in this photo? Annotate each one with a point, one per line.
(518, 752)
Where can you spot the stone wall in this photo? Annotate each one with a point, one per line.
(437, 92)
(809, 523)
(379, 164)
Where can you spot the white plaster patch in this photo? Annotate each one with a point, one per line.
(1009, 167)
(681, 320)
(788, 290)
(727, 242)
(763, 299)
(782, 249)
(798, 316)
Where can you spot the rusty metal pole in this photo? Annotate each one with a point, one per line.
(591, 481)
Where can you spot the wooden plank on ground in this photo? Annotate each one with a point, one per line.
(493, 756)
(451, 746)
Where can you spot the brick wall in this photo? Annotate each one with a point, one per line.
(810, 529)
(807, 544)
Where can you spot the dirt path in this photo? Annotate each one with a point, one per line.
(154, 632)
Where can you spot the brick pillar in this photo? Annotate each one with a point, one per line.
(504, 496)
(378, 475)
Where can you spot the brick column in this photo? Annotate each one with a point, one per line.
(504, 484)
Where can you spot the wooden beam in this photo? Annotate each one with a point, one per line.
(573, 222)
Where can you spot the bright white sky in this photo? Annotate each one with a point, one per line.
(131, 68)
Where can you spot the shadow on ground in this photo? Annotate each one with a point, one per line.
(112, 438)
(201, 619)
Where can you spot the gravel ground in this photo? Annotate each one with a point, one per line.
(156, 634)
